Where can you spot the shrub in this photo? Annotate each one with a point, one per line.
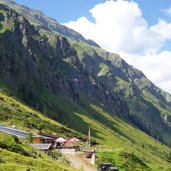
(55, 154)
(169, 156)
(16, 139)
(30, 137)
(12, 143)
(1, 98)
(1, 161)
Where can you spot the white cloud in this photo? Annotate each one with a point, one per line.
(167, 11)
(120, 27)
(155, 66)
(83, 26)
(163, 29)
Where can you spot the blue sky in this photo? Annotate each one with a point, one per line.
(62, 11)
(67, 10)
(139, 30)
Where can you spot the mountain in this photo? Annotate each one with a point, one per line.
(80, 71)
(148, 106)
(121, 139)
(16, 154)
(78, 85)
(41, 21)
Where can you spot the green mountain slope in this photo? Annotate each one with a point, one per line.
(144, 105)
(149, 106)
(26, 157)
(79, 85)
(107, 132)
(17, 155)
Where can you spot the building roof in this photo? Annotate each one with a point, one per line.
(19, 133)
(44, 137)
(49, 135)
(41, 146)
(12, 131)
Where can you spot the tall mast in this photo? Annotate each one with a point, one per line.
(89, 136)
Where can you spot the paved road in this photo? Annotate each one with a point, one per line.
(12, 131)
(78, 160)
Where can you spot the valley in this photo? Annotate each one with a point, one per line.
(55, 81)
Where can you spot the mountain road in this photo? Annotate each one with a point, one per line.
(78, 160)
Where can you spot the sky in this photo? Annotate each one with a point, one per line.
(138, 30)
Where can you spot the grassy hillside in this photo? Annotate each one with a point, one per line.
(16, 155)
(105, 77)
(15, 113)
(148, 105)
(108, 132)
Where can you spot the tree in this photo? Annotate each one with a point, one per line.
(169, 156)
(30, 137)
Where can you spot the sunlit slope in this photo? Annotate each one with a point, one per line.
(149, 106)
(16, 155)
(108, 132)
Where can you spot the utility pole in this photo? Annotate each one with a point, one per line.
(89, 137)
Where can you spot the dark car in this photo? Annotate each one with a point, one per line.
(89, 153)
(104, 166)
(112, 169)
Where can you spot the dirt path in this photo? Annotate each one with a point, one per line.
(78, 160)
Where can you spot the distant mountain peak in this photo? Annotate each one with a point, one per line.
(40, 20)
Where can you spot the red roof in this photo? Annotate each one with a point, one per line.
(73, 140)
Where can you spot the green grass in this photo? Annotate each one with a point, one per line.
(16, 162)
(128, 161)
(107, 130)
(123, 161)
(5, 25)
(13, 112)
(82, 49)
(120, 136)
(104, 70)
(16, 155)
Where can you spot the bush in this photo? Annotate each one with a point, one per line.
(16, 139)
(30, 137)
(1, 98)
(1, 161)
(55, 154)
(12, 143)
(169, 156)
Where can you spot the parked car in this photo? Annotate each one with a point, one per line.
(104, 166)
(89, 153)
(112, 169)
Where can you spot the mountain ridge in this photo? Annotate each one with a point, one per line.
(41, 21)
(85, 70)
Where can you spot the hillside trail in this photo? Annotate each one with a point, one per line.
(78, 160)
